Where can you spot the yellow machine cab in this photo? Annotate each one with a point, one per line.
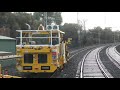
(41, 50)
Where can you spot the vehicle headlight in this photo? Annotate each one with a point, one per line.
(19, 68)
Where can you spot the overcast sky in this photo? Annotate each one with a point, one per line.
(102, 19)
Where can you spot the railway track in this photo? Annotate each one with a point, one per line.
(75, 53)
(109, 62)
(113, 55)
(95, 53)
(91, 66)
(72, 54)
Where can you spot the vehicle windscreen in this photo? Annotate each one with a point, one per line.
(41, 39)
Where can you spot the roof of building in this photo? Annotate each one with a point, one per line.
(8, 38)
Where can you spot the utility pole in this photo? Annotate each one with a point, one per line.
(105, 19)
(118, 36)
(99, 36)
(78, 28)
(77, 18)
(46, 22)
(45, 19)
(114, 37)
(84, 24)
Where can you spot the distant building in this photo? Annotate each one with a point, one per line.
(8, 44)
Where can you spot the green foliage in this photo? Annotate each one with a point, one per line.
(51, 17)
(71, 32)
(16, 21)
(96, 35)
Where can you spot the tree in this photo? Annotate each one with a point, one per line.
(16, 20)
(70, 30)
(51, 17)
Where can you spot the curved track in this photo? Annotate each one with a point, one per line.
(109, 58)
(90, 66)
(96, 63)
(72, 55)
(73, 66)
(113, 55)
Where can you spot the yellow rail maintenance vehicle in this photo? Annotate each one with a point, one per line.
(41, 50)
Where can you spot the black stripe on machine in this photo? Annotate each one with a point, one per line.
(45, 67)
